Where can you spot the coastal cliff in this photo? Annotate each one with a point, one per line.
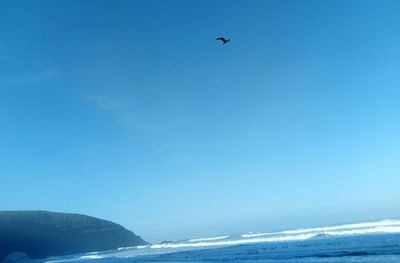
(41, 234)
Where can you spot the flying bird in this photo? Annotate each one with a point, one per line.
(224, 40)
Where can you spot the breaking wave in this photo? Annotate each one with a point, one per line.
(376, 227)
(366, 225)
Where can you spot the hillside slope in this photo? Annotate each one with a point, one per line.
(41, 234)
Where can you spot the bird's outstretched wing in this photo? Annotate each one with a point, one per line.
(223, 40)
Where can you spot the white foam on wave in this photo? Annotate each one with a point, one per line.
(329, 228)
(87, 256)
(91, 257)
(234, 242)
(378, 227)
(207, 238)
(92, 253)
(125, 248)
(142, 247)
(365, 231)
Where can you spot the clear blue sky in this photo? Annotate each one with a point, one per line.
(132, 111)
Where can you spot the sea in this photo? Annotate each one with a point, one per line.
(369, 242)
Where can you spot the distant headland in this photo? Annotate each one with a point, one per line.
(42, 234)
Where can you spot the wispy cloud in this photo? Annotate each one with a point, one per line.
(35, 77)
(119, 110)
(132, 120)
(105, 103)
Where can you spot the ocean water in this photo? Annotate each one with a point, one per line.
(369, 242)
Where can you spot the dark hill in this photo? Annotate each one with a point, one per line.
(41, 234)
